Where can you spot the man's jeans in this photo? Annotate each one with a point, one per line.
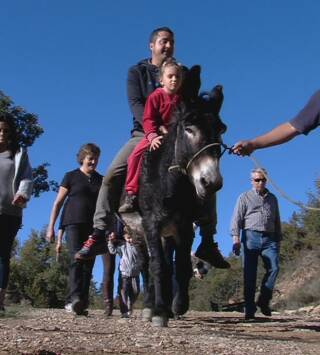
(257, 244)
(112, 185)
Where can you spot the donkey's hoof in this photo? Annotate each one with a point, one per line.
(180, 304)
(146, 314)
(160, 321)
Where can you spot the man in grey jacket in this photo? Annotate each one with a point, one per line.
(143, 79)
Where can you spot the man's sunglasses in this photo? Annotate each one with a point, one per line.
(258, 180)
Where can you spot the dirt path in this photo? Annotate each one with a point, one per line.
(52, 331)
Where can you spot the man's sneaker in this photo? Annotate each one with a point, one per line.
(264, 307)
(129, 204)
(249, 316)
(93, 246)
(125, 315)
(211, 254)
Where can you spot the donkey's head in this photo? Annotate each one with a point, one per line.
(198, 147)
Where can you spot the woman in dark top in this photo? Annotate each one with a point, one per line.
(15, 191)
(78, 193)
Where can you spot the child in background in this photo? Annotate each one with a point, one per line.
(157, 115)
(129, 269)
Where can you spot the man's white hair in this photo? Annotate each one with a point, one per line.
(259, 171)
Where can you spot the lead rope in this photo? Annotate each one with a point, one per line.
(281, 192)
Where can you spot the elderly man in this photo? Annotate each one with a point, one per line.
(257, 214)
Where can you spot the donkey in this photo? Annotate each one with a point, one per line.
(176, 180)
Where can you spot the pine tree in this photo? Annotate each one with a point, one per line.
(36, 275)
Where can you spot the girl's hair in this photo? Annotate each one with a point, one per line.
(13, 144)
(170, 62)
(87, 149)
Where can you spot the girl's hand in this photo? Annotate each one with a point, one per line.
(163, 130)
(156, 142)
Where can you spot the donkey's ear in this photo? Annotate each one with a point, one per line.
(212, 101)
(191, 83)
(217, 97)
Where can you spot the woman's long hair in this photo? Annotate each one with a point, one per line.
(13, 144)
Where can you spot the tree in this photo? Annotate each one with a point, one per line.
(28, 130)
(36, 275)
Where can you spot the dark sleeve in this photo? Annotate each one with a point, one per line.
(309, 117)
(66, 181)
(135, 96)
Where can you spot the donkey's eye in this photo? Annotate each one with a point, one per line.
(189, 130)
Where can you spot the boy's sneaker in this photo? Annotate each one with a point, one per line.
(2, 311)
(77, 306)
(211, 254)
(125, 315)
(93, 246)
(108, 308)
(129, 204)
(68, 307)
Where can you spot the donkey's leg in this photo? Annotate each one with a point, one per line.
(148, 287)
(159, 272)
(183, 270)
(168, 245)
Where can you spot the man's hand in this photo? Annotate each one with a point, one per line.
(156, 143)
(243, 148)
(236, 245)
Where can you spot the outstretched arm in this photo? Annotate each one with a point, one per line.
(281, 134)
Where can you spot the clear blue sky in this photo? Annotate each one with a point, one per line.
(67, 62)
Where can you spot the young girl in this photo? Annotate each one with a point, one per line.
(157, 114)
(130, 266)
